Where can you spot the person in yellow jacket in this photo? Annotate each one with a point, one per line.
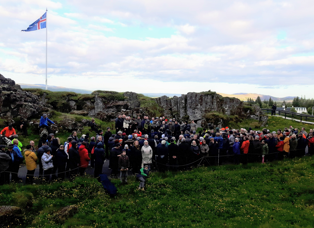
(30, 160)
(286, 146)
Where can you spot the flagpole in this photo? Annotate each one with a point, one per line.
(46, 45)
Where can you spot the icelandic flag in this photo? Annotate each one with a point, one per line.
(39, 24)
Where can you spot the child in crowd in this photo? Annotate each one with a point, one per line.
(265, 150)
(142, 177)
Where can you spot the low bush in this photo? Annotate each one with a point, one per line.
(22, 199)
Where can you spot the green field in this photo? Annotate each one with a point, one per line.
(278, 194)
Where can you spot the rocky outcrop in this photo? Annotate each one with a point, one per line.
(65, 213)
(106, 105)
(10, 216)
(194, 106)
(16, 102)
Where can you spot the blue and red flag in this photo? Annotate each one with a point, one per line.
(39, 24)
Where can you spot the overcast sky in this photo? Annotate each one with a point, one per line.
(163, 46)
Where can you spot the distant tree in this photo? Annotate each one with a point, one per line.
(265, 104)
(258, 101)
(284, 104)
(250, 101)
(309, 111)
(293, 110)
(270, 102)
(288, 104)
(296, 102)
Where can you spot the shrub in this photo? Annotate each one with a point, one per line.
(247, 108)
(150, 104)
(23, 199)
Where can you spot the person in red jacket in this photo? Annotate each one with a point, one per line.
(84, 158)
(8, 132)
(245, 148)
(279, 146)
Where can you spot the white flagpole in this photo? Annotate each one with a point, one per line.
(46, 45)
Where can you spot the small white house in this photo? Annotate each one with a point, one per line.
(300, 110)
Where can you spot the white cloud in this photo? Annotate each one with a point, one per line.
(212, 42)
(187, 29)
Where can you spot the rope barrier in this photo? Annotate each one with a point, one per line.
(44, 171)
(167, 165)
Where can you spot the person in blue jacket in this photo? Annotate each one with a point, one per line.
(16, 160)
(219, 140)
(236, 150)
(44, 122)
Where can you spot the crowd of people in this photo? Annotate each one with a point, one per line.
(141, 145)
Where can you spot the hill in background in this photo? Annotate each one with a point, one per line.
(240, 96)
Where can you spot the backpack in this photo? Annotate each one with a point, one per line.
(146, 125)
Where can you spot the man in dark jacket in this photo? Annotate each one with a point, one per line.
(107, 135)
(258, 149)
(74, 136)
(173, 155)
(115, 153)
(176, 130)
(273, 110)
(162, 156)
(5, 159)
(119, 123)
(272, 142)
(100, 156)
(40, 153)
(302, 142)
(74, 159)
(23, 126)
(62, 159)
(184, 151)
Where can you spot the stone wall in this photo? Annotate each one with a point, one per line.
(195, 105)
(15, 102)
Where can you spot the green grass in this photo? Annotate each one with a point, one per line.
(273, 124)
(150, 105)
(57, 99)
(109, 95)
(278, 194)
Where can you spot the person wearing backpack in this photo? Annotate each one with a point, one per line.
(146, 126)
(142, 177)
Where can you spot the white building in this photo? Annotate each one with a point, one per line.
(300, 110)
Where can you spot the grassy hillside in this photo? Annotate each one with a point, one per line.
(278, 194)
(273, 124)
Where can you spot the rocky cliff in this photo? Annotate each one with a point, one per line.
(195, 105)
(16, 102)
(106, 105)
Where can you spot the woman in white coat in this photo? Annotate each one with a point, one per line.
(147, 154)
